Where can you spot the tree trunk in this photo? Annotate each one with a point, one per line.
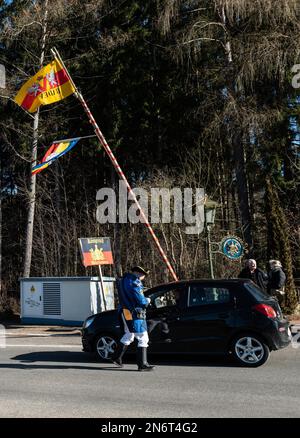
(31, 201)
(238, 151)
(32, 186)
(242, 188)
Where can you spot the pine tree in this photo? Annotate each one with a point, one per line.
(278, 243)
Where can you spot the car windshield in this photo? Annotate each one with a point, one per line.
(256, 292)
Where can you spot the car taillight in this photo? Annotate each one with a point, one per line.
(265, 310)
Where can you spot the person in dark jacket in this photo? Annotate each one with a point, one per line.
(132, 312)
(277, 280)
(255, 274)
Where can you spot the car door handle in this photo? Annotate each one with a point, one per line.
(176, 318)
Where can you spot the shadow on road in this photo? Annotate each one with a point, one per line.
(71, 359)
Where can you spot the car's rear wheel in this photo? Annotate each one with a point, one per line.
(105, 346)
(250, 350)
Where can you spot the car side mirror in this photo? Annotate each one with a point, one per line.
(151, 305)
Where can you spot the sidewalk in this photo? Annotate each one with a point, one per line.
(39, 330)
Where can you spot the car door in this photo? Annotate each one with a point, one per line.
(164, 317)
(208, 319)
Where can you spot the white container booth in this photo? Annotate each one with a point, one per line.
(64, 300)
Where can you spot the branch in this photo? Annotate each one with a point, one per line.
(203, 38)
(26, 25)
(9, 98)
(212, 23)
(17, 153)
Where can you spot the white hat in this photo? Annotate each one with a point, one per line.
(275, 264)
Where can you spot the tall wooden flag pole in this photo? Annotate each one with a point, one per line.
(116, 165)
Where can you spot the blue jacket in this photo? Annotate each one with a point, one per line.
(131, 297)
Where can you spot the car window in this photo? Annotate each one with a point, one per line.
(165, 298)
(204, 295)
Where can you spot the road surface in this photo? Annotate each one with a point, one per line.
(44, 373)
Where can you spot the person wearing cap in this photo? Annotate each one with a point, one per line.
(255, 274)
(277, 280)
(132, 311)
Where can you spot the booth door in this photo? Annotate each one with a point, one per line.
(32, 299)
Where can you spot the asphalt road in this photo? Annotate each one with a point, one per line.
(49, 376)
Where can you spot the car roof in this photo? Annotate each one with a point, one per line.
(218, 281)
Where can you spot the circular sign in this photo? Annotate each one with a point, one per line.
(232, 247)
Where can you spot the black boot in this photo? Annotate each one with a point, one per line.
(119, 353)
(142, 360)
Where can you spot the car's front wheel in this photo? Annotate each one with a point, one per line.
(105, 346)
(250, 350)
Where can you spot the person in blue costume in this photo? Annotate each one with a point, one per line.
(132, 312)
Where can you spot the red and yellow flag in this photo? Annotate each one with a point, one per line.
(48, 85)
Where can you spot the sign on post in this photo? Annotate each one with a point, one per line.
(96, 251)
(232, 247)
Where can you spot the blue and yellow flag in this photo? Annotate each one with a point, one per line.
(56, 150)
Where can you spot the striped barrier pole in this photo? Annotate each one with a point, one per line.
(117, 167)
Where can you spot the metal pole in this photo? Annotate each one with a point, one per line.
(116, 166)
(102, 287)
(75, 138)
(211, 266)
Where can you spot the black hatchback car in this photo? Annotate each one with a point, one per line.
(201, 316)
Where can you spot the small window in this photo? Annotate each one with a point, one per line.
(201, 295)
